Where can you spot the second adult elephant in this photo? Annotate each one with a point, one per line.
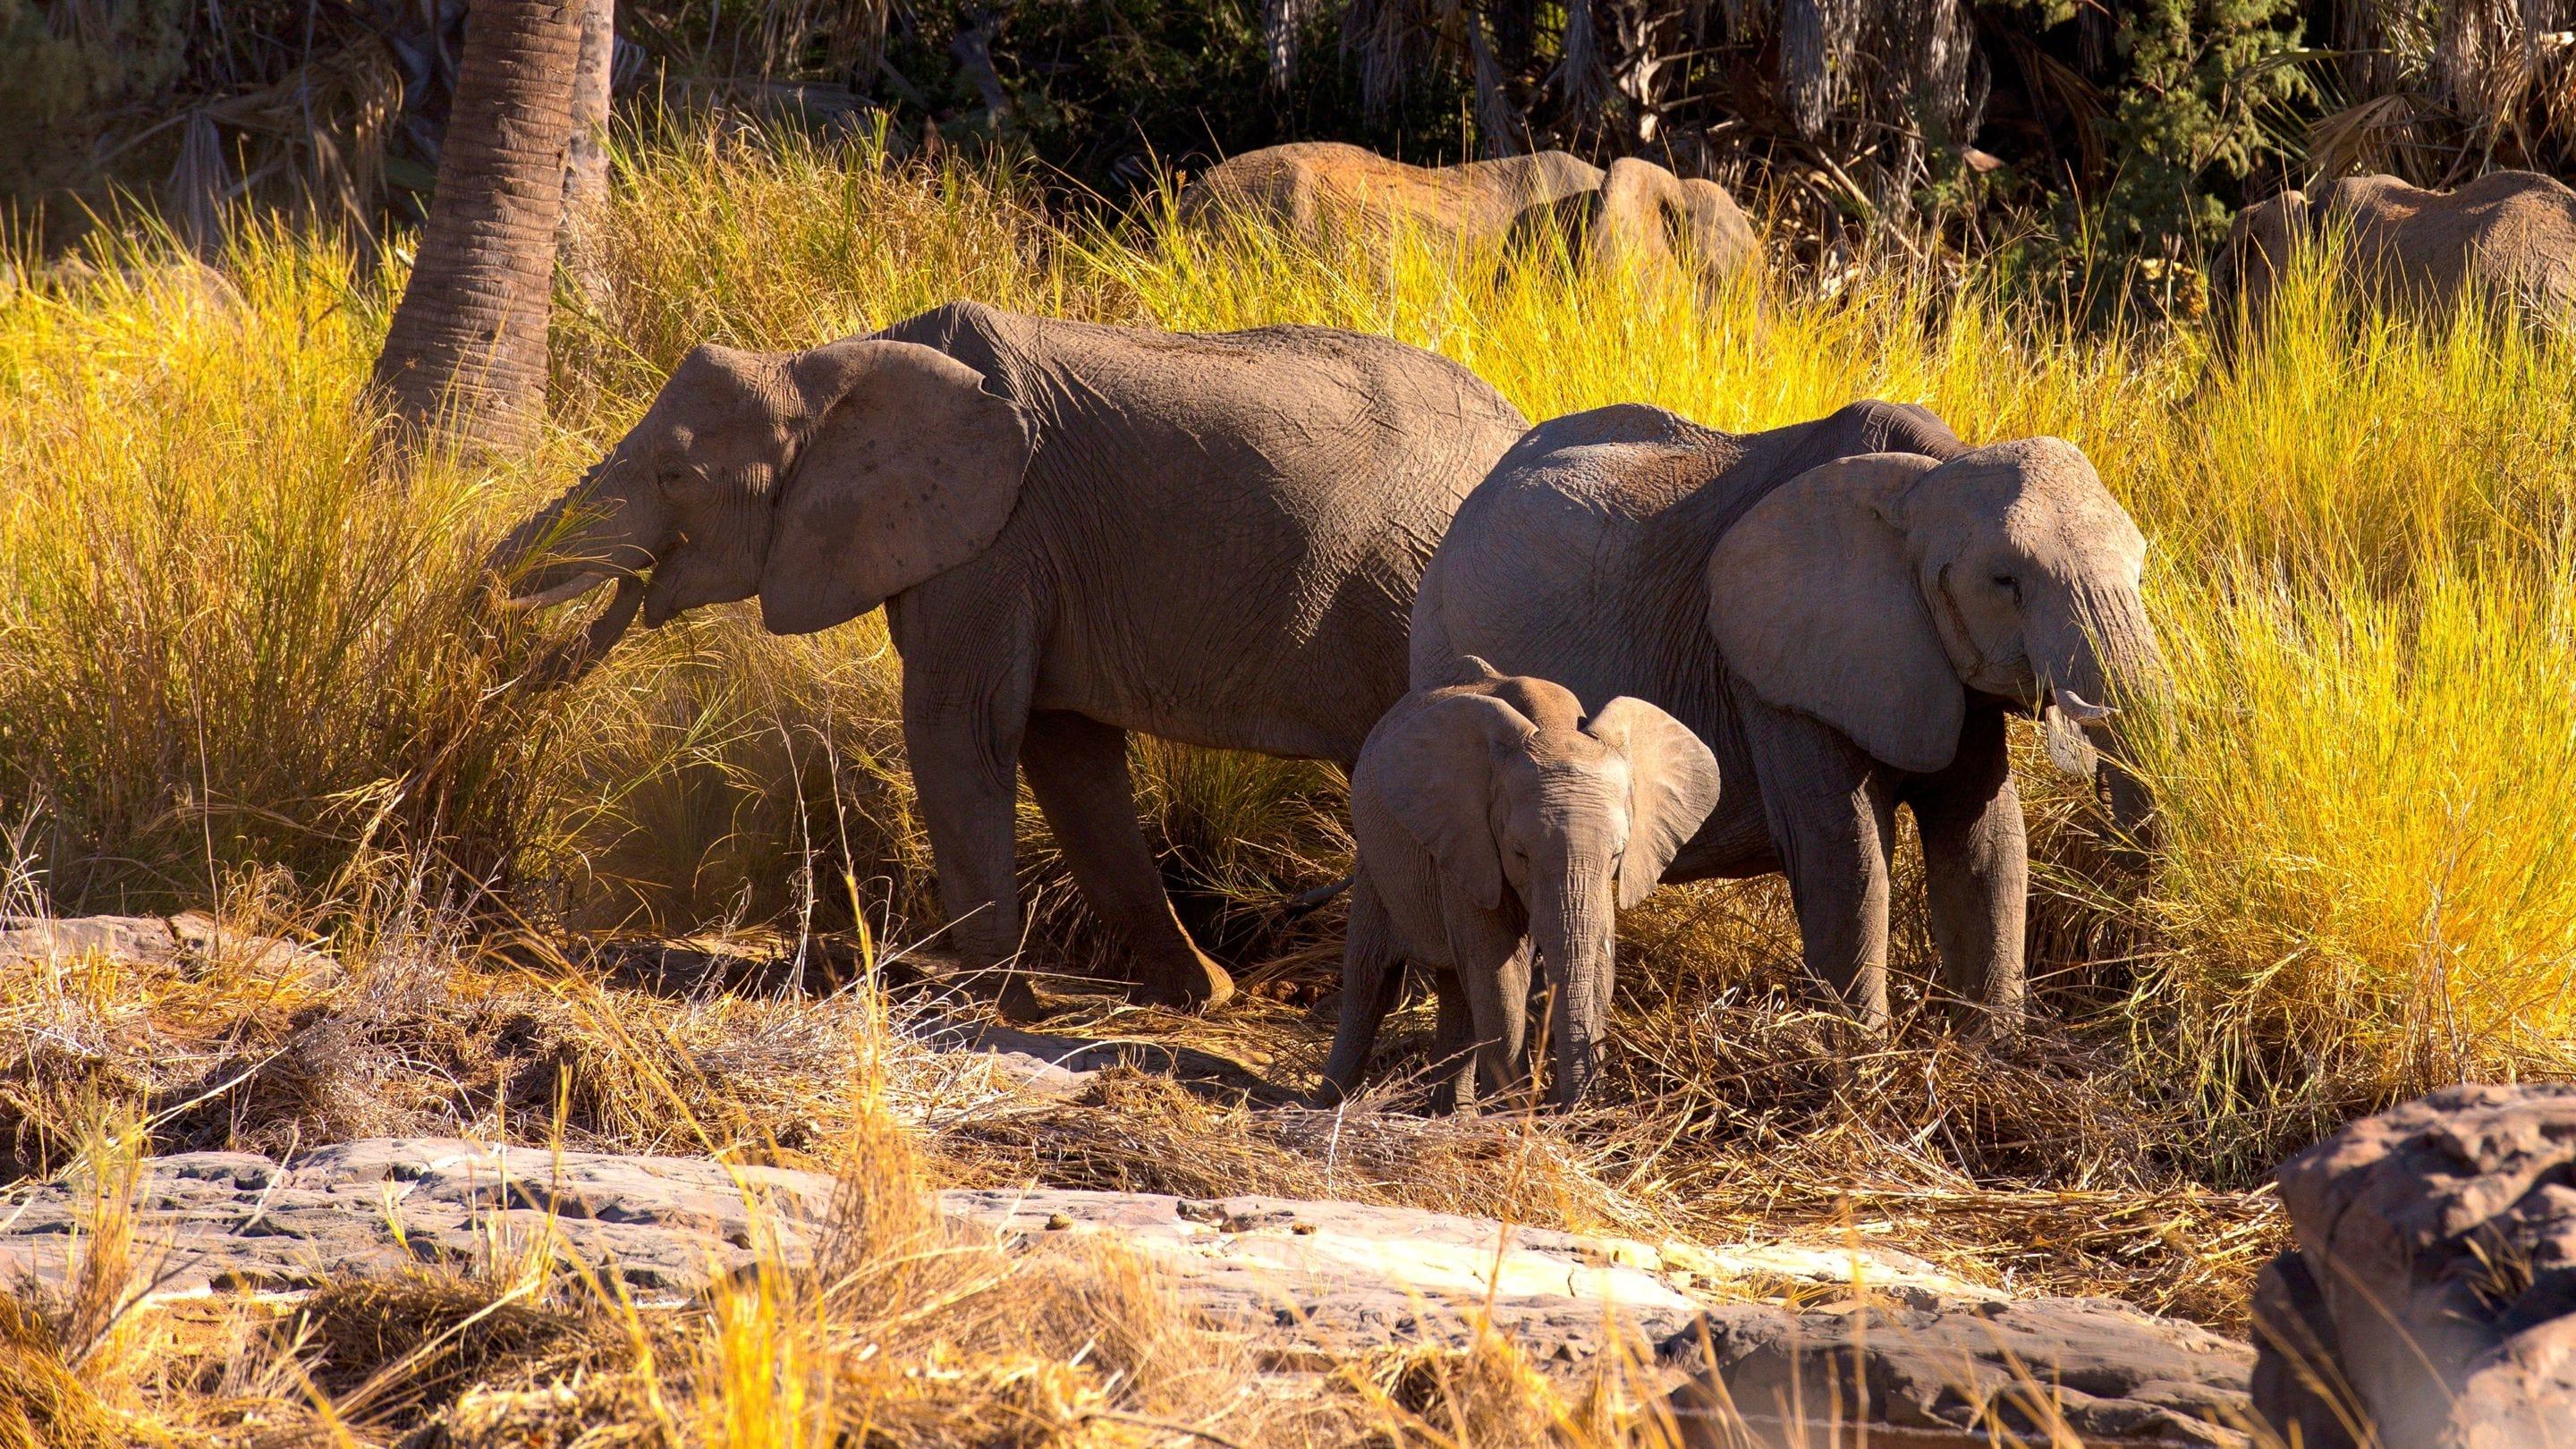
(1844, 610)
(1077, 531)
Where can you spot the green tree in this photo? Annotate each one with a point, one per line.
(2200, 73)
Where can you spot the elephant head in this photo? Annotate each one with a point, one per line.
(1649, 216)
(2260, 244)
(1504, 782)
(824, 482)
(1877, 593)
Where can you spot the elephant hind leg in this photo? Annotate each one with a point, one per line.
(1078, 770)
(1372, 978)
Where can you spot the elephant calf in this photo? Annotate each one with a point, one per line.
(1492, 818)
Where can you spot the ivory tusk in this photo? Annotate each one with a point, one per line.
(562, 593)
(2077, 709)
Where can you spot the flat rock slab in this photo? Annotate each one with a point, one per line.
(237, 1221)
(1305, 1281)
(2039, 1371)
(1304, 1276)
(190, 938)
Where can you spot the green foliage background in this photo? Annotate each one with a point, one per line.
(2132, 127)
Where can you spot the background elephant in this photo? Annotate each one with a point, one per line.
(1077, 531)
(1645, 217)
(1311, 186)
(1493, 820)
(1636, 214)
(2512, 233)
(1844, 610)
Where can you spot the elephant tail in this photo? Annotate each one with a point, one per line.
(1309, 902)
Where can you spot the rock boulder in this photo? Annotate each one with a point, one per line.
(2432, 1294)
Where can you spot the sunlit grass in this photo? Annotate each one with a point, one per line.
(226, 641)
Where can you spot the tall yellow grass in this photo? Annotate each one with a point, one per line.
(224, 644)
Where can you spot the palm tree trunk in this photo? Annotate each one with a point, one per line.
(586, 159)
(466, 354)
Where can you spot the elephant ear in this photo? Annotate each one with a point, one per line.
(1815, 606)
(909, 467)
(1720, 232)
(1672, 786)
(1634, 224)
(1432, 767)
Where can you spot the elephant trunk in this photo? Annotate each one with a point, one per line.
(572, 561)
(513, 551)
(2102, 668)
(1574, 929)
(609, 541)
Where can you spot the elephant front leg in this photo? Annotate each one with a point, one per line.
(1493, 964)
(1453, 1046)
(1078, 770)
(962, 754)
(1833, 817)
(1976, 872)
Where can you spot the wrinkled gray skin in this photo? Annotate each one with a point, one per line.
(1313, 186)
(1076, 531)
(1494, 821)
(1844, 610)
(2511, 233)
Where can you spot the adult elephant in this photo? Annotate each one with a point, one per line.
(1636, 215)
(1311, 187)
(1077, 531)
(1844, 610)
(2509, 234)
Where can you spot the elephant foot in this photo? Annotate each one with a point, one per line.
(1006, 987)
(1196, 986)
(1019, 1002)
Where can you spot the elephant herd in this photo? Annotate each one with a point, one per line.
(1563, 663)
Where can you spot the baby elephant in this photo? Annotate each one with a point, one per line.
(1493, 818)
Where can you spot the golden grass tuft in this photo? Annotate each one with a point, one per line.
(44, 1403)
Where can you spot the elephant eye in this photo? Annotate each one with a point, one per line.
(2010, 585)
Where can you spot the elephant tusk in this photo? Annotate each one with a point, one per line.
(2077, 709)
(562, 593)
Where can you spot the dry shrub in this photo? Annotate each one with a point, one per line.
(409, 1344)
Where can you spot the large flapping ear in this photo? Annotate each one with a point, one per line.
(2260, 243)
(1672, 787)
(908, 467)
(1815, 605)
(1433, 768)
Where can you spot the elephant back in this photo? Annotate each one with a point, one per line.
(2510, 233)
